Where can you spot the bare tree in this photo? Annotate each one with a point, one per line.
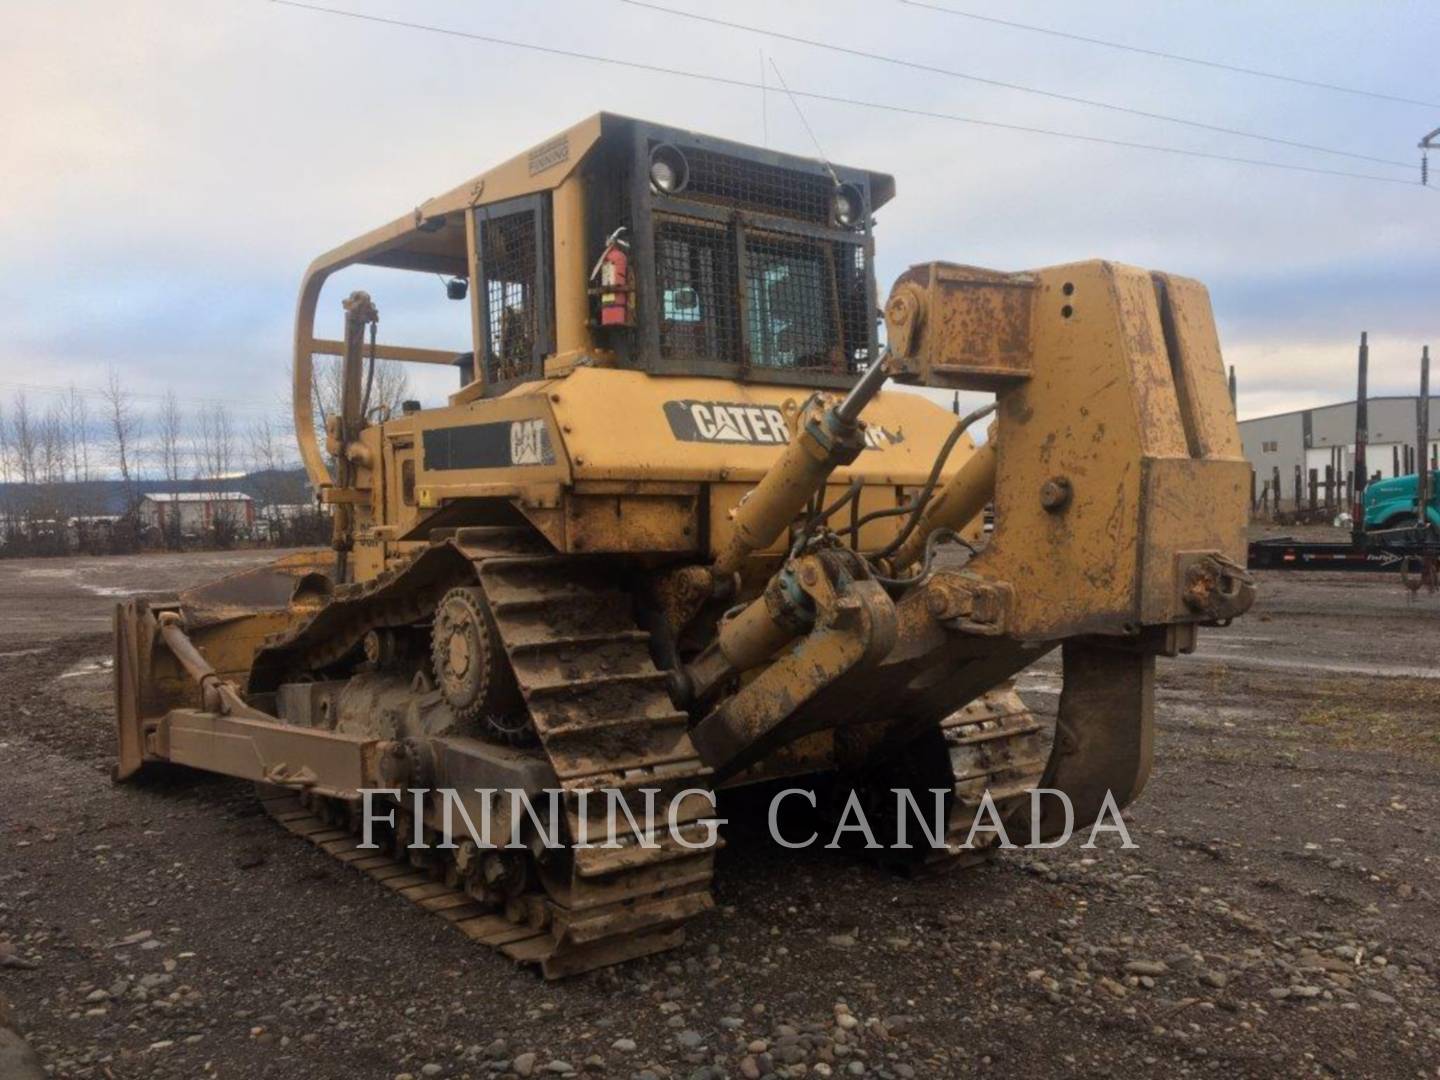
(37, 452)
(7, 460)
(215, 444)
(52, 465)
(54, 446)
(168, 428)
(23, 438)
(265, 466)
(126, 427)
(264, 451)
(215, 456)
(388, 391)
(77, 417)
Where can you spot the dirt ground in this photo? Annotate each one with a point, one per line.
(1278, 917)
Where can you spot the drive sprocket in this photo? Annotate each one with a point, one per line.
(471, 669)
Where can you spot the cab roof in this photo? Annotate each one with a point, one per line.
(431, 237)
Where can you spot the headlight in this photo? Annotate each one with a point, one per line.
(669, 171)
(848, 207)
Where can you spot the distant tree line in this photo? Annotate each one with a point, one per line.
(73, 474)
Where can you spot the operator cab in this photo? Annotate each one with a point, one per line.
(626, 244)
(702, 257)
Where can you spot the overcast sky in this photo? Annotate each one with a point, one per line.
(169, 167)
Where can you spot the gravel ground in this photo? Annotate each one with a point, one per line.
(1278, 917)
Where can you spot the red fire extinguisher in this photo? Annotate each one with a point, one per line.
(611, 276)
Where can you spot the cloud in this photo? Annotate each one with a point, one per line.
(169, 169)
(1281, 376)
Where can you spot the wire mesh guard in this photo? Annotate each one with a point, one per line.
(805, 300)
(695, 267)
(512, 313)
(756, 185)
(789, 305)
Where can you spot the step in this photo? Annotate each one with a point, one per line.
(644, 915)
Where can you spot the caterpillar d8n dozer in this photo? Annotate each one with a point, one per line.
(673, 532)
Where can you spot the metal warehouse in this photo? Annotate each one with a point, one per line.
(1297, 442)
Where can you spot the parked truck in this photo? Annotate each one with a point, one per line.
(1393, 502)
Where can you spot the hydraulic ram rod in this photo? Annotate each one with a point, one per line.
(825, 441)
(216, 694)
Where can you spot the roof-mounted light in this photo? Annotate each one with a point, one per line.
(669, 171)
(848, 206)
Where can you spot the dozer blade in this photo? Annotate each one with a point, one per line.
(130, 738)
(301, 578)
(229, 621)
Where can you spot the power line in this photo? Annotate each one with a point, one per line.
(1316, 83)
(95, 394)
(1054, 95)
(836, 99)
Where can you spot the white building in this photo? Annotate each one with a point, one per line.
(196, 512)
(1325, 436)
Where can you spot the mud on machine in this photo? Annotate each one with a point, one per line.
(677, 528)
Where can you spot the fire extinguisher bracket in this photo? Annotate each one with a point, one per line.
(611, 282)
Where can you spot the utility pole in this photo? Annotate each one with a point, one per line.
(1422, 446)
(1428, 143)
(1362, 436)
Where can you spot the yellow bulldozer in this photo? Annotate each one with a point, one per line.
(680, 527)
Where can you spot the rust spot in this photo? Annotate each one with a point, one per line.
(1047, 448)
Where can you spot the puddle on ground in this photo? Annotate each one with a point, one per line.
(91, 665)
(74, 575)
(118, 591)
(89, 684)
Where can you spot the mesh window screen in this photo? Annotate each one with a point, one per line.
(695, 298)
(857, 317)
(805, 300)
(512, 300)
(790, 303)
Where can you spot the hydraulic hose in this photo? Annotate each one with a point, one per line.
(922, 498)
